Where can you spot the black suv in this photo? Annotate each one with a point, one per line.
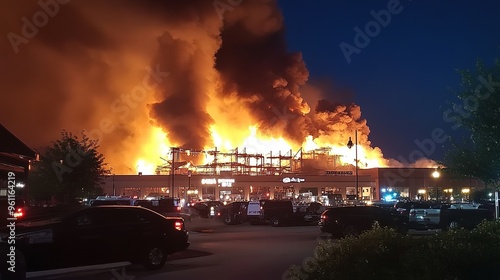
(206, 209)
(233, 213)
(168, 206)
(353, 220)
(280, 212)
(99, 234)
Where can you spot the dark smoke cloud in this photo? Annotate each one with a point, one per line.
(80, 67)
(79, 71)
(182, 111)
(254, 63)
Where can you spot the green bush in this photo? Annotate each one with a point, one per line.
(381, 253)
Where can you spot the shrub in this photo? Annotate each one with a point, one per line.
(381, 253)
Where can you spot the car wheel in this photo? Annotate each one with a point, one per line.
(227, 220)
(453, 225)
(155, 258)
(275, 222)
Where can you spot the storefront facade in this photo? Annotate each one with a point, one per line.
(330, 188)
(307, 188)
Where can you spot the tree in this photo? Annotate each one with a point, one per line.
(478, 155)
(69, 168)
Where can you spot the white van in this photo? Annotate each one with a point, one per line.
(253, 212)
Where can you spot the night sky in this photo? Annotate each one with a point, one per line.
(405, 76)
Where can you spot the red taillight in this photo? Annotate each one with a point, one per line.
(178, 225)
(19, 213)
(178, 208)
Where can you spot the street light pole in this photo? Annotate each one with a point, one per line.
(349, 145)
(189, 184)
(172, 173)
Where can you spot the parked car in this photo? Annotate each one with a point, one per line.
(384, 204)
(168, 206)
(100, 234)
(489, 205)
(404, 208)
(353, 220)
(206, 209)
(448, 217)
(233, 213)
(282, 212)
(111, 201)
(13, 208)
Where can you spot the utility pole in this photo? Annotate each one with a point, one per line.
(172, 173)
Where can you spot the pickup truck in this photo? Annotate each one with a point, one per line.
(448, 216)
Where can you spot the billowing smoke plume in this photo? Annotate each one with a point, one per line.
(193, 68)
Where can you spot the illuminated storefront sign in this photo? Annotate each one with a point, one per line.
(215, 181)
(293, 180)
(338, 173)
(226, 182)
(210, 181)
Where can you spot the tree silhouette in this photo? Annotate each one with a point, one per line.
(71, 167)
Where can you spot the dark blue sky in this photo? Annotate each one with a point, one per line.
(405, 76)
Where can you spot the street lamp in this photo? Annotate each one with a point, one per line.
(172, 172)
(349, 145)
(436, 175)
(189, 183)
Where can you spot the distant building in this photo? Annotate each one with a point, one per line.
(329, 187)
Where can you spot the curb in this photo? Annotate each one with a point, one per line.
(71, 270)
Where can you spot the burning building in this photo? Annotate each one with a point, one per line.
(201, 75)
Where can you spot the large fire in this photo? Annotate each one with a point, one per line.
(255, 143)
(201, 75)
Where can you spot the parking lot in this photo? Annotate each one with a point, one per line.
(229, 252)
